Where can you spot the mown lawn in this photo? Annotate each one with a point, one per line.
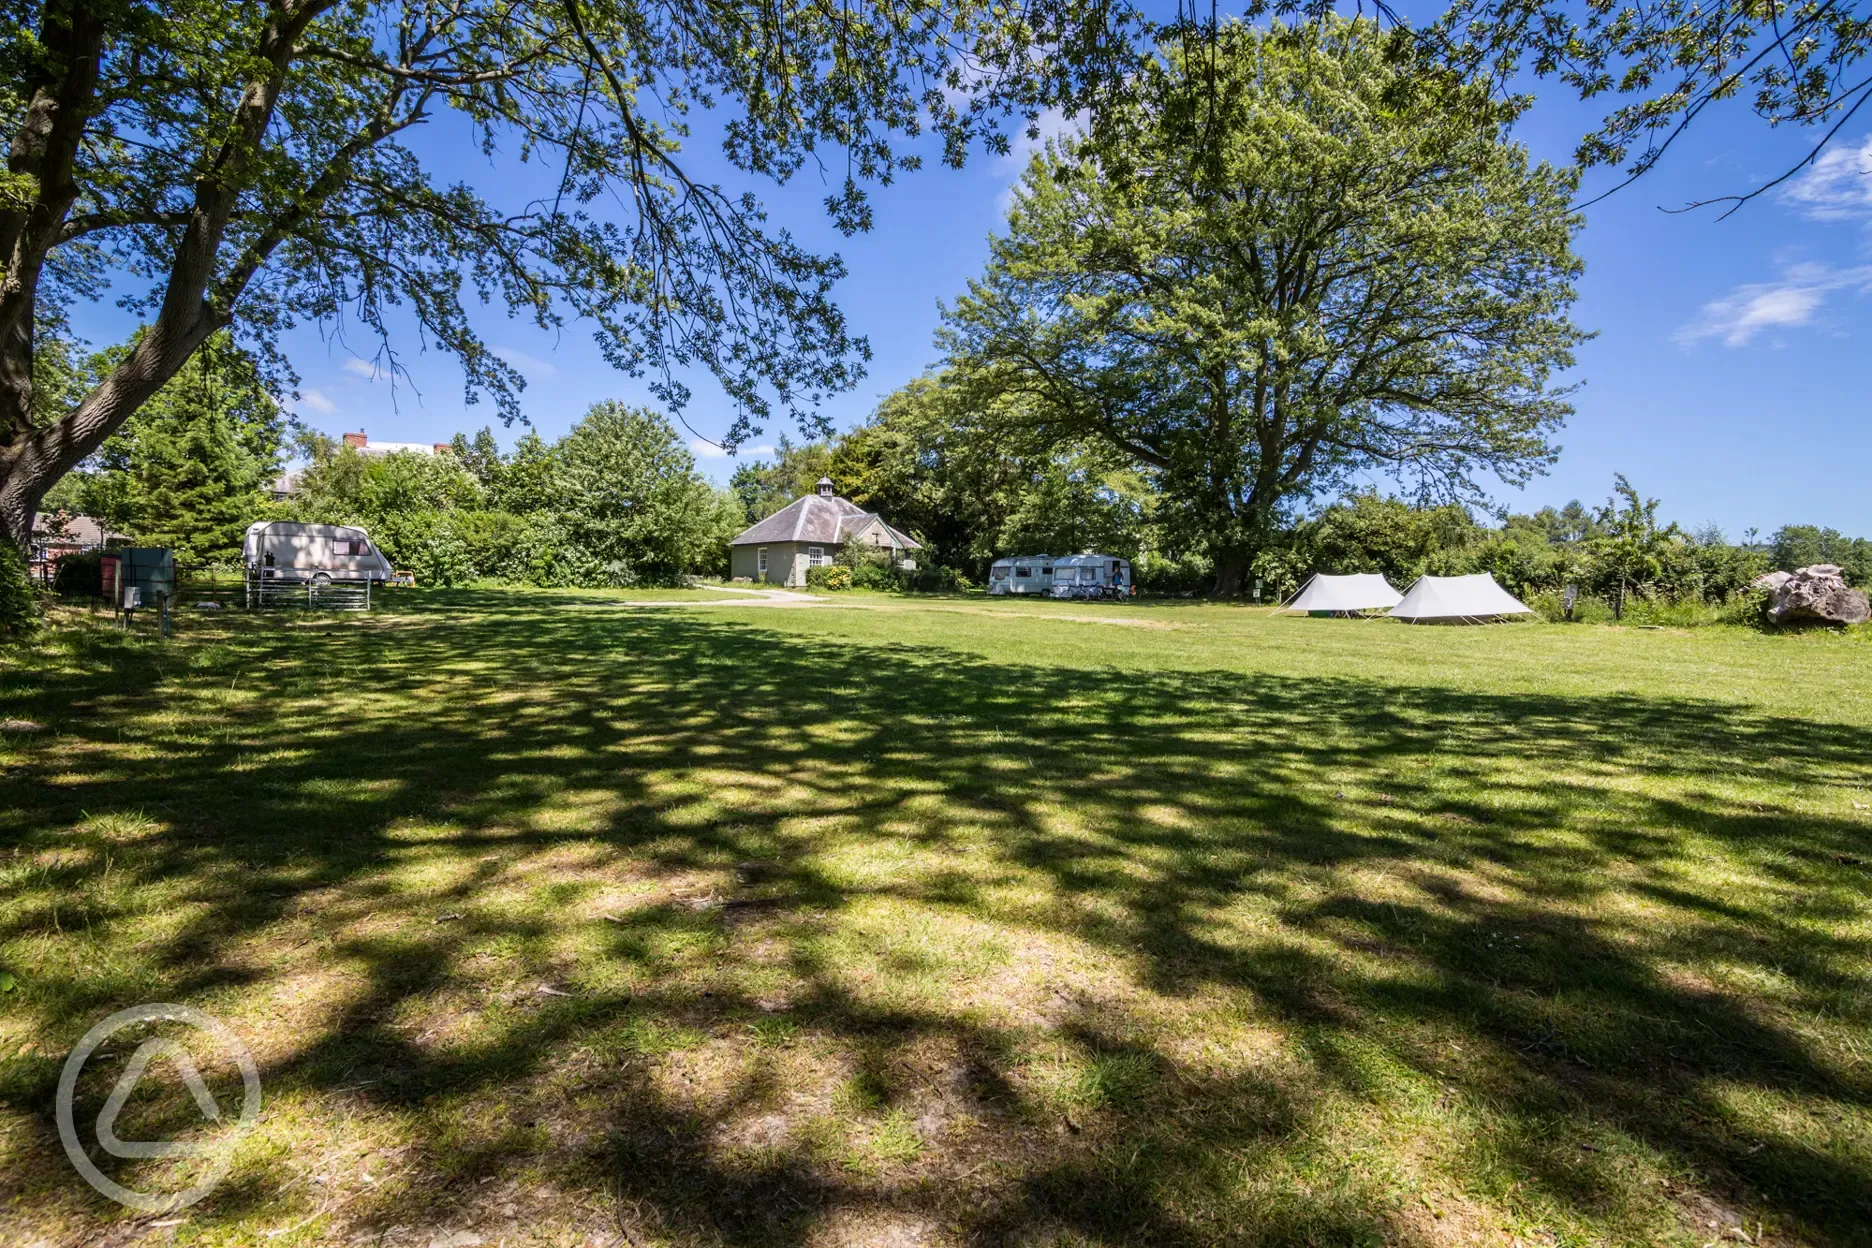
(554, 919)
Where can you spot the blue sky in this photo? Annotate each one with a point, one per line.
(1730, 377)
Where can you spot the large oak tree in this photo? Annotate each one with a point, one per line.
(1283, 261)
(251, 167)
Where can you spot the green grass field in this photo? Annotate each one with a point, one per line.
(555, 919)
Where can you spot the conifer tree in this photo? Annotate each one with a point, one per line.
(189, 471)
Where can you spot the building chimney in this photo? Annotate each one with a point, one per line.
(443, 448)
(356, 439)
(825, 487)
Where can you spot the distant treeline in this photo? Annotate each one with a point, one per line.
(973, 498)
(616, 501)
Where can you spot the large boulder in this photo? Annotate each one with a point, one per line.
(1771, 581)
(1818, 595)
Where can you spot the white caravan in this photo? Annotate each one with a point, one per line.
(1091, 576)
(288, 552)
(1023, 574)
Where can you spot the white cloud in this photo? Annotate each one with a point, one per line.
(705, 449)
(531, 365)
(1793, 302)
(1838, 185)
(362, 368)
(317, 402)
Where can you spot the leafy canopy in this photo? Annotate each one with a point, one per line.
(1663, 65)
(1669, 62)
(256, 166)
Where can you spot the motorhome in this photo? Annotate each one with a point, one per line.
(289, 552)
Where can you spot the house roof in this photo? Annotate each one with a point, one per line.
(826, 520)
(857, 524)
(61, 528)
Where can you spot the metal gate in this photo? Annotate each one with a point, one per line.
(264, 593)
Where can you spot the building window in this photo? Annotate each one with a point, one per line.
(815, 557)
(760, 560)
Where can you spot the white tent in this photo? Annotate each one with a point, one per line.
(1366, 591)
(1457, 600)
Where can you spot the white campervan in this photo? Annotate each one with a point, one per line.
(288, 552)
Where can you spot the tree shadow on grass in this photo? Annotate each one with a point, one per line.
(1371, 873)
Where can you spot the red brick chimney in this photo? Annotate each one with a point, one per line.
(356, 439)
(443, 448)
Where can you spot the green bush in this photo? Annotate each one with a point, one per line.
(79, 576)
(1194, 574)
(830, 577)
(875, 576)
(1588, 610)
(935, 579)
(19, 606)
(1747, 608)
(1740, 610)
(1688, 612)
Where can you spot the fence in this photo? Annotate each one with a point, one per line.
(264, 593)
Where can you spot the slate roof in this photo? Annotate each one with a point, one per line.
(817, 520)
(61, 529)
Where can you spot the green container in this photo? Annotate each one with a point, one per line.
(150, 569)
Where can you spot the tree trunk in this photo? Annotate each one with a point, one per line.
(1231, 568)
(34, 456)
(16, 517)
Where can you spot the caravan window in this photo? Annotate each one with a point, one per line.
(341, 546)
(1088, 574)
(1023, 571)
